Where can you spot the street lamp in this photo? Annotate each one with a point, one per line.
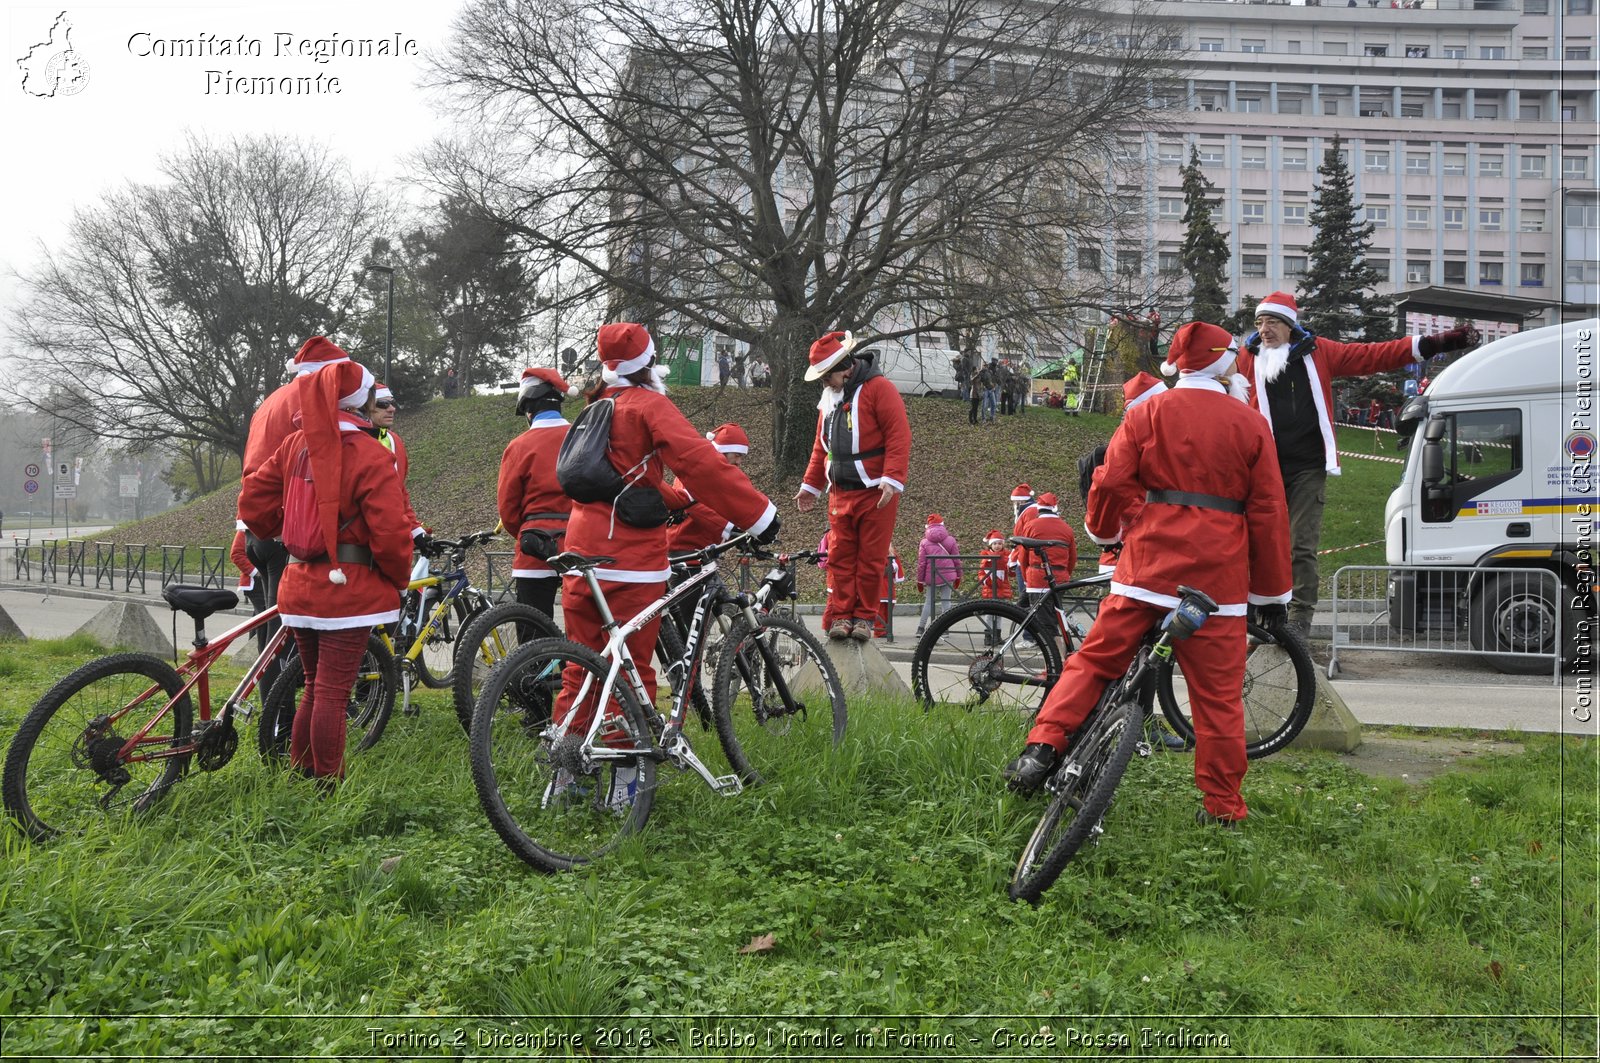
(388, 336)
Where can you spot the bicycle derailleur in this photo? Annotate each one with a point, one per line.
(99, 748)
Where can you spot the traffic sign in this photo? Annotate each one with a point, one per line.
(128, 487)
(31, 486)
(66, 490)
(30, 471)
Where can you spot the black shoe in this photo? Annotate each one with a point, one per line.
(1029, 771)
(1206, 819)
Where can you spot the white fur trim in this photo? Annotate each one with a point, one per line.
(808, 489)
(339, 623)
(1278, 310)
(1114, 540)
(628, 575)
(239, 525)
(1167, 601)
(731, 448)
(765, 519)
(637, 362)
(358, 397)
(899, 487)
(1203, 383)
(1274, 599)
(1416, 349)
(1143, 396)
(535, 573)
(307, 368)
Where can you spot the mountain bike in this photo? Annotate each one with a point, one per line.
(119, 731)
(556, 791)
(1081, 786)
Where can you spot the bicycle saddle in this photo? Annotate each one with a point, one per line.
(1023, 540)
(570, 561)
(199, 602)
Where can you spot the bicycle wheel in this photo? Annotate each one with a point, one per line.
(769, 680)
(671, 665)
(366, 714)
(441, 643)
(1080, 792)
(556, 799)
(978, 654)
(1280, 689)
(67, 768)
(489, 637)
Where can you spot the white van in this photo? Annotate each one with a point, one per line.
(917, 370)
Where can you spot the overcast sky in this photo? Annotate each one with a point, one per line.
(66, 150)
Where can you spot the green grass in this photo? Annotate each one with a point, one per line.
(1356, 497)
(1350, 918)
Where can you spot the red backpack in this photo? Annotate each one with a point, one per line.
(302, 528)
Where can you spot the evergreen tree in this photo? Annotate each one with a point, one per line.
(1338, 295)
(1205, 251)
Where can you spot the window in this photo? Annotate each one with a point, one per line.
(1574, 167)
(1294, 214)
(1210, 154)
(1169, 153)
(1411, 110)
(1418, 271)
(1535, 53)
(1581, 215)
(1378, 216)
(1455, 272)
(1375, 49)
(1129, 262)
(1291, 105)
(1419, 163)
(1170, 43)
(1330, 106)
(1211, 44)
(1454, 217)
(1252, 213)
(1582, 271)
(1491, 272)
(1532, 220)
(1529, 111)
(1254, 266)
(1294, 265)
(1533, 275)
(1416, 51)
(1375, 162)
(1419, 217)
(1089, 259)
(1294, 159)
(1490, 218)
(1535, 7)
(1580, 7)
(1455, 51)
(1486, 110)
(1256, 46)
(1492, 51)
(1169, 262)
(1169, 208)
(1123, 42)
(1491, 165)
(1291, 47)
(1531, 166)
(1335, 48)
(1482, 449)
(1250, 104)
(1253, 157)
(1454, 165)
(1577, 52)
(1380, 269)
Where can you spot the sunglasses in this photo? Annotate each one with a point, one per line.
(385, 404)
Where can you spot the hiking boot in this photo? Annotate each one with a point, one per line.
(839, 631)
(1029, 771)
(861, 630)
(624, 788)
(1206, 819)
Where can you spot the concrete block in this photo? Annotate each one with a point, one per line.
(9, 631)
(128, 625)
(863, 669)
(1332, 724)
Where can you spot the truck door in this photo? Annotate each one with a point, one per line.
(1466, 455)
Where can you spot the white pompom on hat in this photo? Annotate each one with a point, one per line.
(1280, 304)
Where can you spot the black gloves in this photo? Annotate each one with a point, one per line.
(1087, 464)
(1273, 617)
(1456, 339)
(422, 543)
(770, 532)
(1302, 341)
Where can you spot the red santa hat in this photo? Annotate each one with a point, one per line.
(315, 353)
(1199, 348)
(934, 518)
(1022, 493)
(1047, 502)
(322, 396)
(828, 352)
(994, 536)
(1280, 304)
(381, 391)
(625, 348)
(729, 439)
(537, 381)
(1139, 389)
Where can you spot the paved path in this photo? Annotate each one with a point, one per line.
(1381, 688)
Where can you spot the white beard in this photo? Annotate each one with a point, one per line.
(1238, 386)
(1273, 360)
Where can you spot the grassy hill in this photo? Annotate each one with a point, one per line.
(963, 472)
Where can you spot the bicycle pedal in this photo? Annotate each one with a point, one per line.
(728, 785)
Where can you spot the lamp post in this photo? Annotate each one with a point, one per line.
(388, 336)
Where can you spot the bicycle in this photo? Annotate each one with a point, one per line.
(127, 720)
(551, 787)
(994, 653)
(1084, 780)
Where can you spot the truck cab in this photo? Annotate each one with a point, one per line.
(1500, 475)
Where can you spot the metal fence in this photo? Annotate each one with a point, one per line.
(103, 566)
(1513, 615)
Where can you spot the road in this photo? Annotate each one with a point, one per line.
(1381, 688)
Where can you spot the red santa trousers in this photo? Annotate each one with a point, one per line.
(331, 658)
(582, 618)
(859, 534)
(1212, 660)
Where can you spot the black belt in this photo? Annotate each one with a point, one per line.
(859, 455)
(354, 553)
(526, 517)
(1195, 498)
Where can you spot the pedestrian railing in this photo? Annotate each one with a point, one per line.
(71, 562)
(1513, 615)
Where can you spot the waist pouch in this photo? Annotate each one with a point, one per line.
(641, 507)
(540, 544)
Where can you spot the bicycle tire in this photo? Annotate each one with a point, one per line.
(671, 657)
(1280, 690)
(490, 637)
(1078, 802)
(47, 768)
(441, 643)
(367, 714)
(754, 719)
(536, 787)
(955, 662)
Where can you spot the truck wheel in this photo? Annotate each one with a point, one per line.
(1512, 615)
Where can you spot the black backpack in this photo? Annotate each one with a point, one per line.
(583, 466)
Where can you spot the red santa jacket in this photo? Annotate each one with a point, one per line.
(1019, 556)
(270, 425)
(402, 465)
(241, 561)
(701, 527)
(869, 417)
(1040, 523)
(1130, 516)
(372, 513)
(1330, 359)
(993, 579)
(1197, 439)
(646, 425)
(528, 489)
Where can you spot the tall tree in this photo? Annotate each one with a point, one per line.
(773, 169)
(1205, 253)
(1338, 295)
(175, 304)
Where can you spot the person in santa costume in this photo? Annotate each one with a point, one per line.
(649, 435)
(331, 602)
(1043, 521)
(1136, 390)
(1290, 373)
(528, 497)
(384, 411)
(270, 425)
(249, 585)
(701, 525)
(861, 457)
(1215, 519)
(1022, 505)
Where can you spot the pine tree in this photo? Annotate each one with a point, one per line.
(1338, 295)
(1205, 253)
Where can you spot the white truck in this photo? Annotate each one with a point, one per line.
(1501, 474)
